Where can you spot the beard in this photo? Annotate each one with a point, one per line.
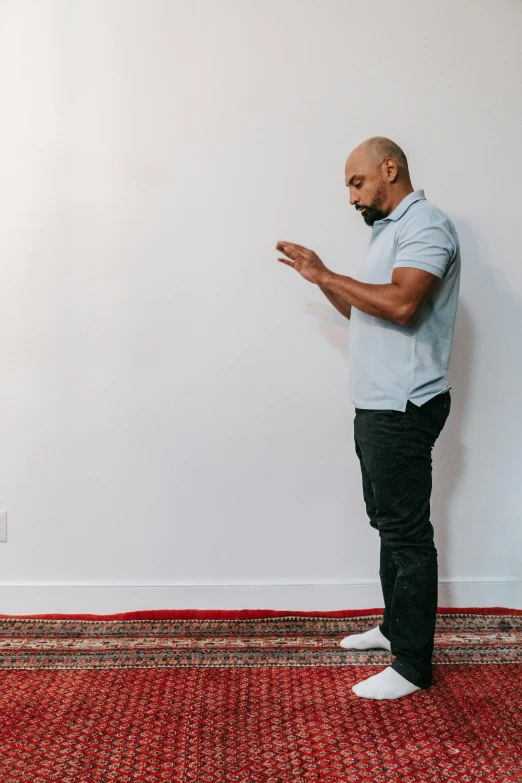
(371, 214)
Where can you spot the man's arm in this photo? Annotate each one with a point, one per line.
(397, 301)
(343, 307)
(381, 301)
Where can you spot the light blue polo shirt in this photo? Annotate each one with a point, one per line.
(390, 364)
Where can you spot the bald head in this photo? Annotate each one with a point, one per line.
(377, 174)
(378, 148)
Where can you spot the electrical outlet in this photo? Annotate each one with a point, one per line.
(3, 525)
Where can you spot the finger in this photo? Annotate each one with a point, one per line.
(296, 252)
(282, 245)
(286, 261)
(290, 251)
(285, 247)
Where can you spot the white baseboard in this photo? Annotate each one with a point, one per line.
(111, 598)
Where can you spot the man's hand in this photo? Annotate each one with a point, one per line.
(305, 261)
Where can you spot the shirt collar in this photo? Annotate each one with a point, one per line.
(403, 205)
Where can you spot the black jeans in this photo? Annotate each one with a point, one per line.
(394, 449)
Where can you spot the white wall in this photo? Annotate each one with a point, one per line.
(174, 405)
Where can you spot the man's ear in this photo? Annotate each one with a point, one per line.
(391, 169)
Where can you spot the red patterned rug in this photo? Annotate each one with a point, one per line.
(255, 697)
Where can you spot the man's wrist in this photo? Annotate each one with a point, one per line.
(327, 278)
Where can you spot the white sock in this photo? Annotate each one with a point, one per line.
(388, 684)
(366, 641)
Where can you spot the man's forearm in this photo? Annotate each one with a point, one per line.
(381, 301)
(343, 307)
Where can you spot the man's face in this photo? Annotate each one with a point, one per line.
(368, 189)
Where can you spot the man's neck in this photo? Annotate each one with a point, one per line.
(400, 197)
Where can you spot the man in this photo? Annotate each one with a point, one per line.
(402, 316)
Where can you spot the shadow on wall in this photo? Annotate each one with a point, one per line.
(333, 326)
(486, 376)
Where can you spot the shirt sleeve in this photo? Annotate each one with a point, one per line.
(425, 242)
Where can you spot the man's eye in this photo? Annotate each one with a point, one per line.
(358, 185)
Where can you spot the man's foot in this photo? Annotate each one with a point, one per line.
(388, 684)
(368, 640)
